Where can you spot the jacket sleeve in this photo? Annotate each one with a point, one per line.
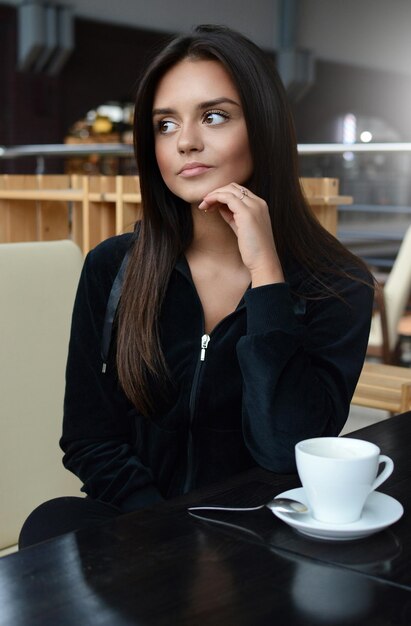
(97, 426)
(300, 372)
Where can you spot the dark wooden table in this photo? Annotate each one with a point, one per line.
(161, 566)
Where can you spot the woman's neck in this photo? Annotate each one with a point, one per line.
(213, 237)
(217, 269)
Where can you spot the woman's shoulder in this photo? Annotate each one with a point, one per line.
(103, 262)
(112, 250)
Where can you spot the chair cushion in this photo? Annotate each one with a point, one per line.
(37, 284)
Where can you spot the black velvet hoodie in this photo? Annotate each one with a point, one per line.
(279, 369)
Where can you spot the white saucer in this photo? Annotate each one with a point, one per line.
(379, 512)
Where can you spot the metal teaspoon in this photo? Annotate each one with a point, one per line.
(282, 505)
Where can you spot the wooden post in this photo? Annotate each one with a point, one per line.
(323, 198)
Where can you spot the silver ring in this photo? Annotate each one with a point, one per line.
(243, 193)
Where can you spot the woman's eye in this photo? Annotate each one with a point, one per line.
(215, 117)
(166, 126)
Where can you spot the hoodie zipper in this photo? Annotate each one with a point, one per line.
(205, 340)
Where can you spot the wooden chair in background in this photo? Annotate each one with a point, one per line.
(384, 387)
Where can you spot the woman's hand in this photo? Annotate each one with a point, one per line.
(248, 216)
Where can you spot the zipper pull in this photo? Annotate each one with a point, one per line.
(204, 343)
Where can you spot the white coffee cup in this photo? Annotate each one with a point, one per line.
(338, 474)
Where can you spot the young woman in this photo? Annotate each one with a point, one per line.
(230, 324)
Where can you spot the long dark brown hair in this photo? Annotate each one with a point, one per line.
(166, 229)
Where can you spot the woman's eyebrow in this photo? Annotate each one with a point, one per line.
(164, 111)
(201, 106)
(215, 102)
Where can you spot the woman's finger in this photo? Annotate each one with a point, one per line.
(234, 199)
(243, 191)
(238, 191)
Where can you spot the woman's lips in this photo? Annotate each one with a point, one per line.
(194, 169)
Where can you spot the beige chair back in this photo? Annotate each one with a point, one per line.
(397, 288)
(396, 294)
(37, 285)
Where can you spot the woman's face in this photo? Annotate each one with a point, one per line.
(201, 139)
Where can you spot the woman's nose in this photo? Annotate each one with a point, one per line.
(189, 139)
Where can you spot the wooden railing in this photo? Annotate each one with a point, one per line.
(90, 209)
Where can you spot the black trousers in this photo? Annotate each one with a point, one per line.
(63, 515)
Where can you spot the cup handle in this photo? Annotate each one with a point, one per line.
(387, 471)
